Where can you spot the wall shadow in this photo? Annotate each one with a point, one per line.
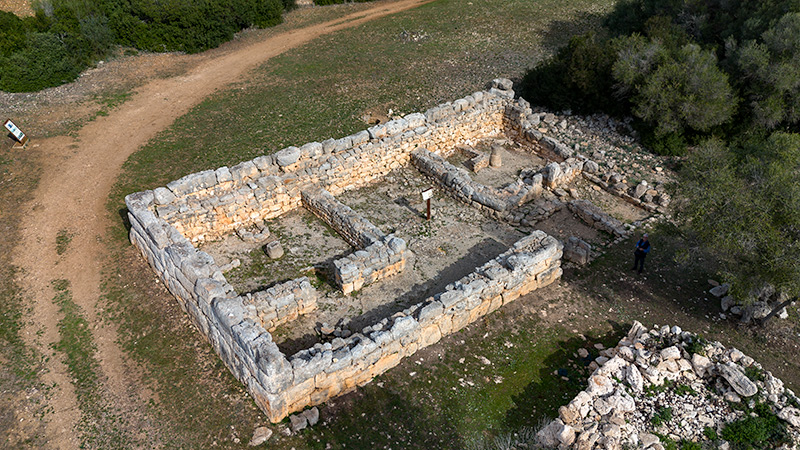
(562, 375)
(476, 256)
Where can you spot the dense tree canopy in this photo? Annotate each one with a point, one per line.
(683, 67)
(744, 204)
(66, 36)
(723, 75)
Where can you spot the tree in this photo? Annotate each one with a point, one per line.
(743, 204)
(770, 72)
(578, 77)
(674, 91)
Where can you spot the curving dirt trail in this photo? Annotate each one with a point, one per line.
(77, 177)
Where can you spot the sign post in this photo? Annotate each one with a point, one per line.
(16, 132)
(427, 195)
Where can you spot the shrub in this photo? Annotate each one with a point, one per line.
(44, 62)
(689, 445)
(764, 431)
(698, 345)
(578, 77)
(667, 144)
(663, 416)
(12, 33)
(65, 36)
(710, 434)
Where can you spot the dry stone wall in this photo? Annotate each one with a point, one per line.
(370, 264)
(354, 228)
(236, 325)
(166, 221)
(379, 256)
(213, 203)
(459, 183)
(231, 326)
(596, 218)
(283, 302)
(327, 370)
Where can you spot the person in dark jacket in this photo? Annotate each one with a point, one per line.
(641, 251)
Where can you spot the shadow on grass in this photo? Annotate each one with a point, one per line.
(674, 279)
(375, 417)
(559, 32)
(563, 374)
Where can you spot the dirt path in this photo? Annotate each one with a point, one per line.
(77, 177)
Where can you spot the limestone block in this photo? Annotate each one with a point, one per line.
(737, 379)
(343, 144)
(228, 312)
(415, 120)
(264, 163)
(404, 326)
(287, 156)
(385, 363)
(139, 201)
(163, 196)
(311, 150)
(430, 312)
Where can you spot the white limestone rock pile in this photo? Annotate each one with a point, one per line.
(666, 382)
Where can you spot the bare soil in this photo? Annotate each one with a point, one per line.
(307, 243)
(610, 204)
(78, 174)
(21, 8)
(514, 156)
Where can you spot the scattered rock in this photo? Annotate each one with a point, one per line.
(719, 291)
(274, 249)
(298, 422)
(260, 435)
(737, 379)
(617, 410)
(312, 416)
(726, 302)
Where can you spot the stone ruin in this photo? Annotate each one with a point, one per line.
(703, 386)
(169, 223)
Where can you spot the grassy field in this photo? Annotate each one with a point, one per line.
(436, 53)
(20, 384)
(507, 371)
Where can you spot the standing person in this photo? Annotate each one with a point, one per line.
(642, 248)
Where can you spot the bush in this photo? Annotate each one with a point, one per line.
(12, 33)
(45, 61)
(667, 144)
(66, 36)
(710, 434)
(689, 445)
(764, 431)
(577, 78)
(663, 416)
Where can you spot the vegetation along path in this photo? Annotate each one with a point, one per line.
(64, 224)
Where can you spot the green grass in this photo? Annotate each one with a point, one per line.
(661, 417)
(63, 239)
(320, 90)
(101, 426)
(453, 399)
(112, 100)
(20, 364)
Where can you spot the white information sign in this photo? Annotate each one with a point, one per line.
(18, 134)
(427, 194)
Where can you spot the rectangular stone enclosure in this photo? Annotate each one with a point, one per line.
(168, 223)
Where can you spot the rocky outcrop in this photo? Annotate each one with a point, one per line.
(666, 383)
